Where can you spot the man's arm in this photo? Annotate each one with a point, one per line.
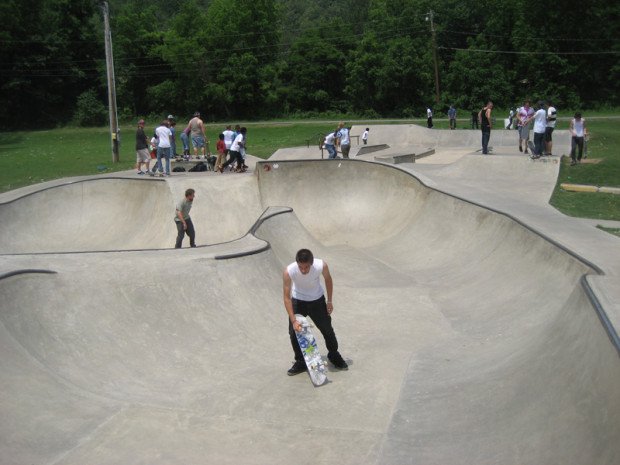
(180, 217)
(288, 303)
(329, 287)
(489, 118)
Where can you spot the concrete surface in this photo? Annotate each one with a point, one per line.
(479, 323)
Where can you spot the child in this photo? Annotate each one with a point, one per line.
(365, 136)
(221, 153)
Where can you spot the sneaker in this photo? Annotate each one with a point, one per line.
(298, 367)
(338, 361)
(520, 149)
(140, 172)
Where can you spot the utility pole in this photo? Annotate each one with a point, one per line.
(429, 17)
(114, 131)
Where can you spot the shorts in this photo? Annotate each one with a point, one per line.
(143, 155)
(548, 133)
(198, 141)
(524, 132)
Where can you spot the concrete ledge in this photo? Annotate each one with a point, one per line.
(584, 188)
(610, 190)
(411, 157)
(372, 148)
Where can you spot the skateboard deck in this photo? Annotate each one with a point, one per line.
(317, 369)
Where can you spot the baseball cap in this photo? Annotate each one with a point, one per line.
(170, 117)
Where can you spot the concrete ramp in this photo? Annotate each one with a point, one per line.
(471, 338)
(413, 134)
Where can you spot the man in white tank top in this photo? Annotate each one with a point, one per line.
(578, 131)
(304, 294)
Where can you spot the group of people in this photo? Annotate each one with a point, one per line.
(341, 139)
(230, 147)
(542, 120)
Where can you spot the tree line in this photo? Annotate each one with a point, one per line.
(249, 59)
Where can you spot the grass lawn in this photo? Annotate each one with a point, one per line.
(604, 145)
(30, 157)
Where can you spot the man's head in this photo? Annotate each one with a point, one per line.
(196, 114)
(489, 104)
(578, 116)
(189, 194)
(304, 259)
(141, 123)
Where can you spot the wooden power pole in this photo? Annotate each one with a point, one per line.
(429, 16)
(109, 59)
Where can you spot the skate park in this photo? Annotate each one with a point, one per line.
(479, 323)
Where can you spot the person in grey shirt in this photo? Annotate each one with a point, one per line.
(183, 221)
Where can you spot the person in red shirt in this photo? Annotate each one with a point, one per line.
(221, 153)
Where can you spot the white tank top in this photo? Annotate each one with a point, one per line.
(306, 287)
(578, 127)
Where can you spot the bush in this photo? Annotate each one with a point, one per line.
(89, 110)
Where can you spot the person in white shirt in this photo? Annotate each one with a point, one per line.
(329, 144)
(343, 140)
(552, 115)
(540, 127)
(429, 117)
(578, 132)
(235, 152)
(163, 135)
(365, 136)
(229, 137)
(524, 116)
(303, 294)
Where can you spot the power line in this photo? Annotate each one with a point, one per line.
(530, 52)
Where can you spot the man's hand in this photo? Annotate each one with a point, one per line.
(330, 308)
(297, 326)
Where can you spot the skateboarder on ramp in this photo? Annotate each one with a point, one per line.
(304, 295)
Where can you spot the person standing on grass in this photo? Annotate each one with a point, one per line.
(143, 156)
(486, 125)
(452, 116)
(303, 294)
(183, 221)
(578, 132)
(429, 117)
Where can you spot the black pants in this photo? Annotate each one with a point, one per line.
(486, 136)
(234, 156)
(181, 233)
(317, 311)
(576, 143)
(539, 142)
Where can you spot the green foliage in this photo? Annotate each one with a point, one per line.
(89, 110)
(261, 58)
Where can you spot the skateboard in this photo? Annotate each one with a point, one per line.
(317, 369)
